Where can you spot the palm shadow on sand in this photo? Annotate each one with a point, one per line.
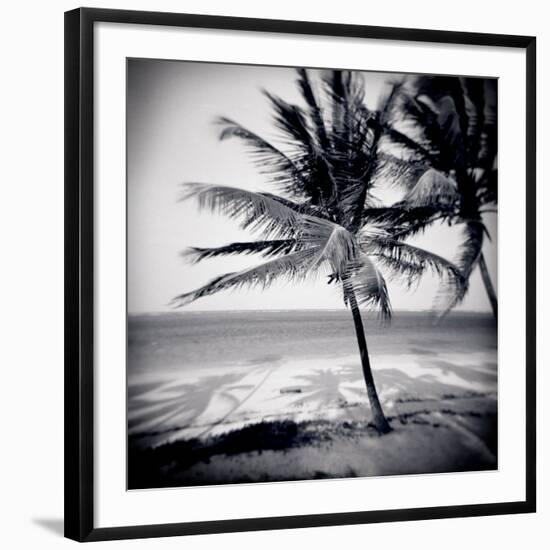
(177, 406)
(180, 404)
(155, 409)
(446, 379)
(324, 386)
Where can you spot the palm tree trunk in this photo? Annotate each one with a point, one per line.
(488, 285)
(379, 418)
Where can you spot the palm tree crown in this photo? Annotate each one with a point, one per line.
(334, 156)
(449, 137)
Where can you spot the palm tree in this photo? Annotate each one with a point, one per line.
(331, 160)
(448, 134)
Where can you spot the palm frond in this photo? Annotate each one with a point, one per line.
(426, 127)
(396, 171)
(265, 248)
(474, 103)
(284, 171)
(290, 119)
(401, 220)
(413, 147)
(469, 252)
(452, 128)
(487, 188)
(335, 245)
(346, 93)
(351, 137)
(294, 267)
(411, 262)
(387, 102)
(315, 110)
(488, 140)
(471, 246)
(317, 179)
(356, 136)
(255, 211)
(369, 287)
(433, 188)
(304, 207)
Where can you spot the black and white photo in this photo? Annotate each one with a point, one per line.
(312, 285)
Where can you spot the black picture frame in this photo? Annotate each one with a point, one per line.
(79, 272)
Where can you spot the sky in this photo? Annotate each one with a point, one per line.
(172, 138)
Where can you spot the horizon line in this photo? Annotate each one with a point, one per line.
(265, 310)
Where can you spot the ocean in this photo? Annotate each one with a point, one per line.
(174, 342)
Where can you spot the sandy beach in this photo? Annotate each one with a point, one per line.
(280, 395)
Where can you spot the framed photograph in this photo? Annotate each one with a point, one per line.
(300, 274)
